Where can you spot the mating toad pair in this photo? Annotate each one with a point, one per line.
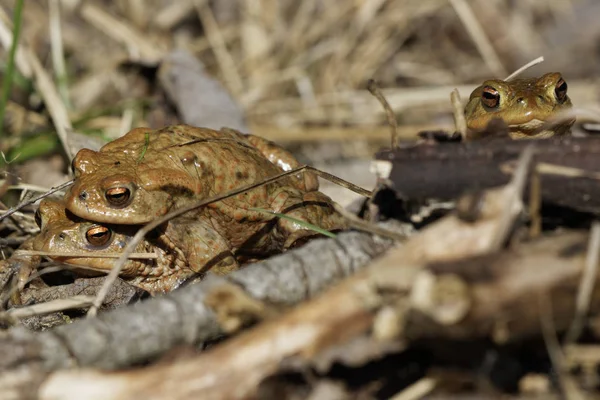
(145, 174)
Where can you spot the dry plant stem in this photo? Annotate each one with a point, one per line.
(565, 381)
(172, 13)
(340, 182)
(52, 100)
(391, 117)
(58, 59)
(118, 265)
(48, 307)
(137, 45)
(217, 43)
(535, 204)
(586, 288)
(141, 256)
(365, 226)
(459, 114)
(525, 67)
(514, 206)
(479, 37)
(19, 206)
(417, 390)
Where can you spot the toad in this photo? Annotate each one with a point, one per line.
(147, 173)
(525, 105)
(183, 248)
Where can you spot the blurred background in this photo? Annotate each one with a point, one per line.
(292, 71)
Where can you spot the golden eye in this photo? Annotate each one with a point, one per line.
(118, 196)
(561, 90)
(98, 235)
(490, 97)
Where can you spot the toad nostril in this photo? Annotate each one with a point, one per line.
(520, 100)
(83, 196)
(62, 236)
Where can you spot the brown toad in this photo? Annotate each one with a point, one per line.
(524, 104)
(145, 174)
(182, 248)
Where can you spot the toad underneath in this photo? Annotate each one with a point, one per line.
(182, 249)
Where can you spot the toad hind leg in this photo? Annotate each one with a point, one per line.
(314, 208)
(206, 249)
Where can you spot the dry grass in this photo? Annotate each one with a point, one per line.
(295, 64)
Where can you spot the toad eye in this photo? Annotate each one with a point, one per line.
(561, 90)
(118, 196)
(98, 235)
(490, 97)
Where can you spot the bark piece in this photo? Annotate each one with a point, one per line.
(448, 170)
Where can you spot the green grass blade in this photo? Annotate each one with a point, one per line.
(10, 67)
(305, 224)
(145, 148)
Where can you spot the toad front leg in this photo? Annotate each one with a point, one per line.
(19, 269)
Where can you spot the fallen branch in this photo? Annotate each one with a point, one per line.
(148, 329)
(569, 169)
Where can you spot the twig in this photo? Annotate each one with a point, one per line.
(215, 38)
(514, 205)
(19, 206)
(459, 114)
(142, 256)
(524, 67)
(366, 226)
(52, 100)
(554, 351)
(417, 390)
(56, 47)
(48, 307)
(535, 204)
(586, 286)
(478, 36)
(340, 182)
(391, 117)
(137, 44)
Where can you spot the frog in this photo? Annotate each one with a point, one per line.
(525, 105)
(147, 173)
(185, 249)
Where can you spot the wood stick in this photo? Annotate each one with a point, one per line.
(569, 169)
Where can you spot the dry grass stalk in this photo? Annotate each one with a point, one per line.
(48, 307)
(479, 37)
(215, 38)
(374, 90)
